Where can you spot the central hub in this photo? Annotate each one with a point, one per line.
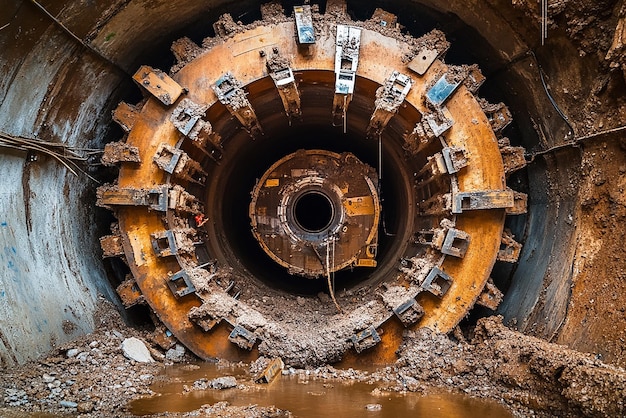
(316, 212)
(313, 211)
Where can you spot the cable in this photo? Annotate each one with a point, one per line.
(330, 286)
(333, 272)
(545, 88)
(575, 143)
(544, 21)
(380, 158)
(608, 131)
(326, 266)
(77, 39)
(345, 114)
(521, 57)
(66, 155)
(379, 187)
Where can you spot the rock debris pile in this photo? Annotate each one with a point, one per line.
(99, 374)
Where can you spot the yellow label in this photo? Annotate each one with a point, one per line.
(272, 182)
(365, 262)
(363, 205)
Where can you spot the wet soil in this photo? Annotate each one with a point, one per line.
(592, 98)
(592, 95)
(596, 320)
(91, 377)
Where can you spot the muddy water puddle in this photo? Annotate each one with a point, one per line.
(304, 396)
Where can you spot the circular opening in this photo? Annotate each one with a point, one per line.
(313, 211)
(232, 180)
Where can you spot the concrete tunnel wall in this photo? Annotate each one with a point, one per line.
(50, 268)
(53, 88)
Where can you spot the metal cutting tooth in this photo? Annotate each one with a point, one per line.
(314, 85)
(125, 115)
(129, 293)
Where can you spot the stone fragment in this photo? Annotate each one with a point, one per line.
(15, 397)
(84, 407)
(225, 382)
(48, 379)
(72, 352)
(135, 349)
(68, 404)
(175, 354)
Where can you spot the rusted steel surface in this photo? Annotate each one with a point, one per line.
(341, 187)
(159, 84)
(111, 246)
(434, 285)
(125, 114)
(117, 152)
